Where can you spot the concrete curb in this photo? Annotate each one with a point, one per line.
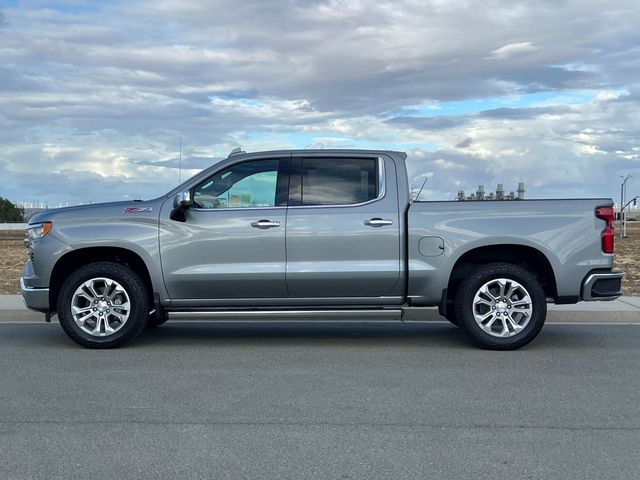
(12, 302)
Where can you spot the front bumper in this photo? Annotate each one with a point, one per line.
(35, 298)
(602, 285)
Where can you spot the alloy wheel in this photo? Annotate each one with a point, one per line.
(100, 307)
(502, 307)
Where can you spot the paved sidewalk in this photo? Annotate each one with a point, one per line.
(622, 304)
(623, 310)
(11, 302)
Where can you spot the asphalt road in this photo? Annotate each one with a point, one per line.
(324, 401)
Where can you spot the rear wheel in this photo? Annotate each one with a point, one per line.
(501, 306)
(103, 305)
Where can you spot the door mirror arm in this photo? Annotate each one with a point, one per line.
(181, 203)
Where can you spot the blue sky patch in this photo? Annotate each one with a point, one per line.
(467, 107)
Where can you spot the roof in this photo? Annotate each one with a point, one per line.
(316, 151)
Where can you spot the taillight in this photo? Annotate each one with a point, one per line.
(606, 214)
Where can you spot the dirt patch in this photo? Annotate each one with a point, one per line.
(12, 258)
(13, 255)
(628, 258)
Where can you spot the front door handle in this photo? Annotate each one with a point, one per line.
(378, 222)
(263, 224)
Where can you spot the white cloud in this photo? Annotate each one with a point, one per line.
(589, 149)
(268, 108)
(105, 93)
(513, 49)
(607, 95)
(446, 164)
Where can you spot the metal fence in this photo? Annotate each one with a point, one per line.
(12, 226)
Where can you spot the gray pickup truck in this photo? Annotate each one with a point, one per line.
(315, 234)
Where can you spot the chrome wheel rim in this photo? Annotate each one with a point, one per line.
(100, 307)
(502, 307)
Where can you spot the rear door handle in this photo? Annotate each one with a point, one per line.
(378, 222)
(263, 224)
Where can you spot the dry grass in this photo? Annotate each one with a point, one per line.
(12, 258)
(628, 258)
(13, 255)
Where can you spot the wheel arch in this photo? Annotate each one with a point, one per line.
(525, 256)
(76, 258)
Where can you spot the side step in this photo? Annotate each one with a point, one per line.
(371, 315)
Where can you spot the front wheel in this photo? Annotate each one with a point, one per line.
(501, 306)
(451, 316)
(103, 305)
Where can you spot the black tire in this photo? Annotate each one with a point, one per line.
(157, 318)
(138, 299)
(451, 316)
(464, 307)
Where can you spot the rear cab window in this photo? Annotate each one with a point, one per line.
(334, 181)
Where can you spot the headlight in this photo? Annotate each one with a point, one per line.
(38, 230)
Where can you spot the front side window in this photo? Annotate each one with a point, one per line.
(243, 185)
(338, 181)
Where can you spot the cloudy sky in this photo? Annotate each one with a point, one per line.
(94, 96)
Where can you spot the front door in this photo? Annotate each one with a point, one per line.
(232, 242)
(343, 228)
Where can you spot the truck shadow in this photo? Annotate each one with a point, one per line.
(436, 336)
(204, 333)
(428, 335)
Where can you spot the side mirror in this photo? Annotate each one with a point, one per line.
(181, 202)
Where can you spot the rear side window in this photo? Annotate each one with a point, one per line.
(338, 181)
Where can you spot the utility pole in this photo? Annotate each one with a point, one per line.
(634, 200)
(623, 194)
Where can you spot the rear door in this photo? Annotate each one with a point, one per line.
(343, 228)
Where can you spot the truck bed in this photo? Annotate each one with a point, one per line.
(566, 232)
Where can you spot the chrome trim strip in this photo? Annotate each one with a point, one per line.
(31, 289)
(592, 279)
(229, 209)
(317, 303)
(382, 191)
(288, 315)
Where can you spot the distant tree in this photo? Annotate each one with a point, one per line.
(10, 212)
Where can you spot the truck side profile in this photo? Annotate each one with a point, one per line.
(315, 234)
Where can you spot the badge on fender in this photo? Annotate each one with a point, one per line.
(136, 209)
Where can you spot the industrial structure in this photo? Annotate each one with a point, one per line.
(497, 195)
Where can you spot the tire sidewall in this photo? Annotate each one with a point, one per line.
(452, 317)
(468, 290)
(135, 289)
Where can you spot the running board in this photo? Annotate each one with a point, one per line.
(290, 315)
